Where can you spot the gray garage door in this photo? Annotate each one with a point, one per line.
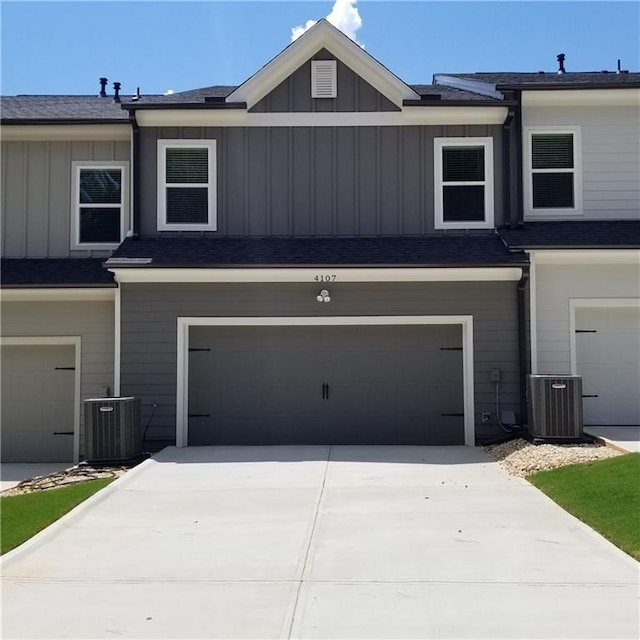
(37, 403)
(326, 385)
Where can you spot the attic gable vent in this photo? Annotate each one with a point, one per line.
(324, 79)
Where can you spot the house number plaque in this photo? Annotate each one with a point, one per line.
(325, 278)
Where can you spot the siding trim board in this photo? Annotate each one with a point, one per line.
(57, 294)
(76, 342)
(65, 132)
(184, 323)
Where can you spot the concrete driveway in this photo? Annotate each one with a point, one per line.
(319, 542)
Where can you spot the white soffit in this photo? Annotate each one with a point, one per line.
(322, 36)
(325, 276)
(587, 256)
(66, 132)
(581, 97)
(32, 294)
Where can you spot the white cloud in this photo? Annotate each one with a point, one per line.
(169, 92)
(344, 15)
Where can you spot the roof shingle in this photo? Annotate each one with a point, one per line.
(55, 272)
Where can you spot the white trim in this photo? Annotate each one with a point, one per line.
(592, 303)
(211, 185)
(463, 274)
(184, 323)
(76, 167)
(74, 341)
(533, 313)
(581, 97)
(324, 79)
(576, 210)
(322, 36)
(408, 116)
(117, 339)
(439, 144)
(11, 132)
(58, 294)
(586, 256)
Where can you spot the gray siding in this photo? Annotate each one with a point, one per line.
(149, 314)
(92, 321)
(36, 194)
(294, 93)
(319, 181)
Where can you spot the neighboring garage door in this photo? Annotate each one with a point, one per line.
(38, 391)
(326, 385)
(608, 359)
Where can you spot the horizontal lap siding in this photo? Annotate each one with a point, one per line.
(327, 181)
(150, 312)
(36, 194)
(610, 156)
(92, 321)
(555, 286)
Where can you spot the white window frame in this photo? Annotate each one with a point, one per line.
(76, 168)
(211, 224)
(488, 182)
(576, 132)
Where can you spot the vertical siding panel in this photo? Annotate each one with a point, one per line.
(345, 182)
(279, 160)
(301, 171)
(4, 154)
(258, 165)
(366, 180)
(60, 203)
(323, 183)
(122, 150)
(149, 180)
(232, 217)
(390, 166)
(428, 185)
(103, 150)
(37, 199)
(15, 192)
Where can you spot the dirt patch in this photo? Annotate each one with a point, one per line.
(521, 458)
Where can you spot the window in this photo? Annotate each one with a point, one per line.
(100, 197)
(553, 169)
(463, 183)
(187, 185)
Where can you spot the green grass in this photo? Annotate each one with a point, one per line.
(22, 516)
(603, 494)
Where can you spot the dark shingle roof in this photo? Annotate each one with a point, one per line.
(55, 272)
(444, 250)
(72, 108)
(577, 79)
(592, 234)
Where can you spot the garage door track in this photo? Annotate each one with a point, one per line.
(319, 542)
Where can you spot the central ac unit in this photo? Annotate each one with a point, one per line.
(112, 429)
(555, 407)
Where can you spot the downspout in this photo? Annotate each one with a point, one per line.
(508, 169)
(517, 174)
(135, 156)
(522, 342)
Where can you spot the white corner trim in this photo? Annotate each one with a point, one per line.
(586, 256)
(117, 341)
(593, 303)
(182, 334)
(321, 36)
(27, 294)
(74, 341)
(533, 313)
(28, 132)
(320, 274)
(407, 116)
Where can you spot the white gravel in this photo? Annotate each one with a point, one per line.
(521, 458)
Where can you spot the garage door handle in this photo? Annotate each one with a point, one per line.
(63, 433)
(592, 395)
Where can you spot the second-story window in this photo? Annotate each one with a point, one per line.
(552, 162)
(187, 185)
(463, 183)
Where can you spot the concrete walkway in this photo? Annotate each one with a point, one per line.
(624, 438)
(13, 473)
(319, 542)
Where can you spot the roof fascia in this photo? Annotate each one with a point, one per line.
(475, 86)
(322, 36)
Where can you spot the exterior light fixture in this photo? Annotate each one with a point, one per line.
(323, 296)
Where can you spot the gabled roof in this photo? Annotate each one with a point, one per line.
(574, 234)
(225, 252)
(322, 35)
(55, 272)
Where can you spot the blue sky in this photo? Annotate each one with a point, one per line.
(64, 47)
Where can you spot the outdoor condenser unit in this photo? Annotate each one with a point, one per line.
(112, 429)
(555, 406)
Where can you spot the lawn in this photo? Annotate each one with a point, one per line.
(22, 516)
(603, 494)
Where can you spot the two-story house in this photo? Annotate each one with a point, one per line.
(323, 254)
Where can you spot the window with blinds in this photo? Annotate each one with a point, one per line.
(552, 170)
(100, 200)
(463, 181)
(186, 185)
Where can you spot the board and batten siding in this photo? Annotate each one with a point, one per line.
(555, 285)
(610, 156)
(328, 181)
(294, 93)
(36, 194)
(150, 312)
(91, 320)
